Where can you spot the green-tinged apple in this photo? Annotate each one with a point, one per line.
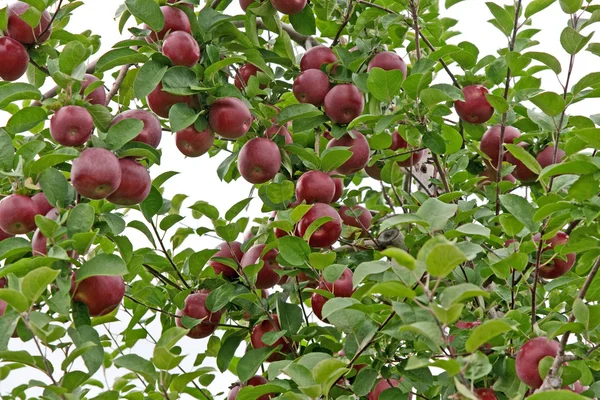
(558, 266)
(315, 187)
(326, 234)
(15, 59)
(96, 173)
(161, 101)
(289, 7)
(71, 126)
(256, 380)
(316, 57)
(229, 117)
(359, 146)
(357, 216)
(96, 96)
(17, 214)
(242, 77)
(529, 357)
(21, 31)
(475, 109)
(343, 103)
(151, 132)
(398, 143)
(181, 48)
(269, 325)
(259, 160)
(175, 20)
(388, 60)
(195, 307)
(42, 203)
(135, 184)
(311, 86)
(101, 294)
(281, 131)
(232, 251)
(192, 143)
(267, 276)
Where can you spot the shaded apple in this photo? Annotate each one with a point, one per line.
(181, 48)
(71, 126)
(398, 143)
(546, 157)
(192, 143)
(267, 276)
(328, 233)
(358, 217)
(382, 385)
(281, 131)
(521, 172)
(98, 95)
(359, 146)
(42, 203)
(339, 188)
(244, 4)
(232, 251)
(15, 59)
(161, 101)
(243, 76)
(475, 109)
(4, 236)
(343, 103)
(229, 117)
(311, 86)
(151, 132)
(175, 20)
(315, 187)
(195, 307)
(486, 394)
(96, 173)
(259, 160)
(17, 214)
(317, 302)
(316, 57)
(559, 265)
(101, 294)
(135, 183)
(490, 142)
(256, 380)
(289, 7)
(388, 60)
(529, 357)
(467, 324)
(269, 326)
(21, 31)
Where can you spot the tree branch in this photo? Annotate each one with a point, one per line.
(166, 253)
(118, 82)
(299, 38)
(349, 12)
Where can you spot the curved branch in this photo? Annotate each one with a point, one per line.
(118, 82)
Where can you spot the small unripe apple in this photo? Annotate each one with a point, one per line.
(195, 307)
(243, 76)
(398, 143)
(101, 294)
(267, 276)
(328, 233)
(358, 217)
(192, 143)
(529, 357)
(339, 188)
(359, 146)
(20, 30)
(135, 184)
(181, 48)
(98, 95)
(475, 109)
(486, 394)
(316, 57)
(269, 326)
(71, 126)
(557, 267)
(388, 60)
(42, 203)
(232, 251)
(256, 380)
(521, 172)
(343, 103)
(281, 131)
(161, 101)
(175, 20)
(546, 157)
(229, 117)
(96, 173)
(311, 86)
(17, 214)
(151, 133)
(381, 386)
(259, 160)
(15, 59)
(315, 187)
(289, 7)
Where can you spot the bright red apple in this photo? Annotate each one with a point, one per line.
(96, 173)
(311, 86)
(328, 233)
(316, 57)
(243, 76)
(232, 251)
(259, 160)
(17, 214)
(175, 20)
(71, 126)
(161, 101)
(15, 59)
(529, 357)
(20, 30)
(101, 294)
(192, 143)
(267, 326)
(195, 307)
(151, 132)
(388, 60)
(135, 184)
(475, 109)
(315, 187)
(359, 146)
(343, 103)
(398, 143)
(557, 267)
(289, 7)
(98, 95)
(181, 48)
(267, 276)
(358, 217)
(229, 117)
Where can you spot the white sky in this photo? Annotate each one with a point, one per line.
(198, 178)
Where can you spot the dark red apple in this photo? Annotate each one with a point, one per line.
(289, 7)
(17, 214)
(195, 307)
(281, 131)
(358, 217)
(96, 173)
(15, 59)
(135, 184)
(557, 267)
(475, 109)
(101, 294)
(529, 357)
(71, 126)
(181, 48)
(175, 20)
(259, 160)
(229, 117)
(382, 385)
(244, 4)
(317, 302)
(546, 157)
(256, 380)
(161, 102)
(20, 30)
(311, 86)
(467, 324)
(4, 236)
(232, 251)
(243, 76)
(343, 103)
(98, 95)
(151, 132)
(490, 142)
(359, 146)
(521, 172)
(388, 60)
(486, 394)
(374, 171)
(192, 143)
(316, 57)
(42, 203)
(315, 187)
(267, 326)
(267, 277)
(339, 188)
(328, 233)
(398, 143)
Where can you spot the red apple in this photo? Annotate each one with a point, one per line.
(359, 146)
(232, 251)
(316, 57)
(490, 142)
(317, 302)
(192, 143)
(475, 109)
(328, 233)
(17, 214)
(339, 188)
(256, 380)
(315, 187)
(229, 117)
(398, 142)
(343, 103)
(161, 102)
(181, 48)
(98, 95)
(289, 7)
(101, 294)
(96, 173)
(42, 203)
(374, 171)
(243, 76)
(175, 20)
(244, 4)
(467, 324)
(15, 59)
(546, 157)
(342, 287)
(529, 357)
(486, 394)
(267, 326)
(135, 184)
(195, 307)
(151, 132)
(388, 60)
(557, 267)
(4, 236)
(281, 131)
(311, 86)
(490, 176)
(521, 172)
(71, 126)
(20, 30)
(267, 277)
(358, 217)
(381, 386)
(259, 160)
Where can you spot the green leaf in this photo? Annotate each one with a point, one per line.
(10, 92)
(237, 208)
(328, 372)
(81, 219)
(297, 111)
(364, 381)
(392, 289)
(456, 294)
(117, 57)
(520, 208)
(294, 250)
(443, 258)
(72, 55)
(432, 97)
(82, 336)
(385, 85)
(400, 256)
(474, 229)
(504, 19)
(251, 362)
(137, 364)
(591, 136)
(569, 167)
(220, 297)
(147, 11)
(368, 268)
(227, 350)
(486, 331)
(75, 354)
(280, 192)
(36, 282)
(203, 208)
(547, 59)
(334, 157)
(7, 151)
(581, 312)
(102, 265)
(536, 6)
(290, 316)
(25, 119)
(15, 299)
(550, 103)
(436, 213)
(148, 78)
(557, 395)
(181, 116)
(498, 102)
(523, 155)
(570, 6)
(122, 132)
(572, 41)
(304, 21)
(152, 204)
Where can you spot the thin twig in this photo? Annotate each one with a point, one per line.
(299, 38)
(370, 342)
(161, 277)
(441, 171)
(167, 255)
(349, 12)
(51, 20)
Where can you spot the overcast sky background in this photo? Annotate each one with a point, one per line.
(198, 178)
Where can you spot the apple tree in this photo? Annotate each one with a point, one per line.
(429, 210)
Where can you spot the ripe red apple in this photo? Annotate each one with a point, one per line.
(339, 188)
(195, 307)
(388, 60)
(374, 171)
(181, 48)
(244, 4)
(15, 59)
(281, 131)
(343, 103)
(475, 109)
(328, 233)
(17, 214)
(101, 294)
(398, 142)
(161, 102)
(98, 95)
(229, 117)
(256, 380)
(382, 385)
(546, 157)
(529, 357)
(243, 76)
(340, 288)
(317, 302)
(521, 172)
(467, 324)
(233, 251)
(315, 187)
(267, 326)
(20, 30)
(151, 132)
(71, 126)
(358, 217)
(316, 57)
(96, 173)
(175, 20)
(490, 142)
(259, 160)
(289, 7)
(267, 277)
(42, 203)
(490, 176)
(135, 183)
(39, 242)
(4, 236)
(192, 143)
(311, 86)
(486, 394)
(557, 267)
(359, 146)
